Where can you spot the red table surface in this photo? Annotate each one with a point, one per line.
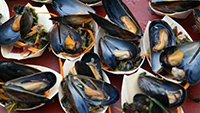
(139, 8)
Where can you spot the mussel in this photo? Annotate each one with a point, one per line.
(120, 14)
(66, 7)
(170, 94)
(8, 35)
(187, 61)
(172, 6)
(89, 65)
(10, 70)
(160, 36)
(84, 89)
(64, 38)
(112, 49)
(30, 88)
(145, 104)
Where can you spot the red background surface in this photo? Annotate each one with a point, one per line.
(139, 8)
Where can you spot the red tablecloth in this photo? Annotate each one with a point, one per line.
(139, 8)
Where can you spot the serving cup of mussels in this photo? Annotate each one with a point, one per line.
(160, 34)
(143, 92)
(73, 33)
(86, 88)
(25, 34)
(26, 87)
(117, 40)
(174, 8)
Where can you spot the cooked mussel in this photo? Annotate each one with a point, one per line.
(170, 94)
(160, 36)
(66, 7)
(64, 38)
(172, 6)
(10, 70)
(73, 98)
(89, 65)
(187, 61)
(112, 49)
(95, 92)
(22, 27)
(120, 14)
(29, 89)
(85, 94)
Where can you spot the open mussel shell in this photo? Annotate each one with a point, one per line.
(116, 9)
(57, 37)
(189, 61)
(110, 92)
(10, 70)
(89, 65)
(108, 44)
(154, 28)
(66, 7)
(28, 89)
(112, 28)
(73, 19)
(72, 96)
(143, 104)
(161, 90)
(9, 36)
(43, 1)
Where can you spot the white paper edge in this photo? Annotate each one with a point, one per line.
(43, 19)
(66, 68)
(52, 92)
(4, 10)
